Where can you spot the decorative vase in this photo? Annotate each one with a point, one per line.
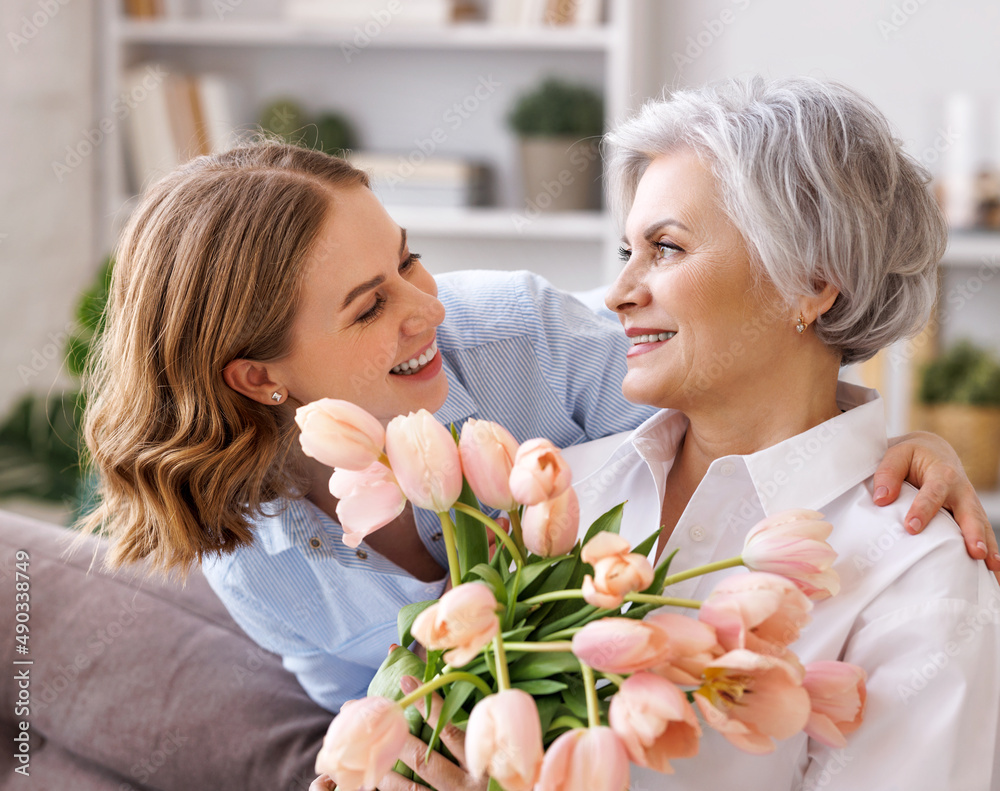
(974, 432)
(560, 173)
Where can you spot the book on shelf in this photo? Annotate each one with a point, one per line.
(376, 12)
(182, 117)
(534, 13)
(435, 181)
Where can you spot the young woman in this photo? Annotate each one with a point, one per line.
(251, 282)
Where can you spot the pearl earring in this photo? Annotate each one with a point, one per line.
(801, 326)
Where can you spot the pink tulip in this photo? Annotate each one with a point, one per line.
(366, 500)
(550, 527)
(539, 473)
(621, 645)
(760, 612)
(617, 571)
(837, 694)
(585, 758)
(655, 721)
(363, 743)
(693, 644)
(464, 620)
(793, 544)
(487, 450)
(424, 459)
(339, 434)
(753, 699)
(504, 739)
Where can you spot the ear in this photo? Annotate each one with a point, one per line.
(252, 379)
(814, 307)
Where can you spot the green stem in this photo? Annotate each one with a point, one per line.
(561, 634)
(515, 526)
(568, 720)
(448, 531)
(541, 598)
(614, 678)
(509, 615)
(540, 648)
(590, 688)
(440, 681)
(503, 672)
(663, 601)
(708, 568)
(501, 534)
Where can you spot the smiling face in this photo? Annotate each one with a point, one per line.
(703, 328)
(367, 309)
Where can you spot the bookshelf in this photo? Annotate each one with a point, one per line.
(396, 89)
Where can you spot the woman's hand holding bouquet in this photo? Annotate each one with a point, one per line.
(550, 655)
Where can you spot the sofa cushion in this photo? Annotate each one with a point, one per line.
(138, 682)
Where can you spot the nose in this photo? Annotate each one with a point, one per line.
(628, 291)
(426, 312)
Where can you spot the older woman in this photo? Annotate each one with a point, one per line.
(775, 232)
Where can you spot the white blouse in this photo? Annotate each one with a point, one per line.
(919, 615)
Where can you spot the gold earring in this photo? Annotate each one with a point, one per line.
(801, 326)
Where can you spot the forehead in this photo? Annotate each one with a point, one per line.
(357, 234)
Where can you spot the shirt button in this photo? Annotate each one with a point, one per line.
(697, 533)
(361, 554)
(727, 468)
(315, 543)
(436, 537)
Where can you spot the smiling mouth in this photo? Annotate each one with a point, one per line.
(417, 364)
(660, 336)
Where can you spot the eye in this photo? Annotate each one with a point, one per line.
(409, 262)
(376, 310)
(665, 249)
(624, 255)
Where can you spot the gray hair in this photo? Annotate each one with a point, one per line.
(820, 189)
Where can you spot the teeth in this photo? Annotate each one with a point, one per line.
(636, 340)
(414, 365)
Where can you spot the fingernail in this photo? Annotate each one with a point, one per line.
(914, 525)
(982, 546)
(996, 557)
(881, 492)
(393, 647)
(408, 684)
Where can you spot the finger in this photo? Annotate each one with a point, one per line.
(322, 783)
(437, 770)
(890, 474)
(393, 647)
(393, 781)
(452, 736)
(976, 529)
(930, 498)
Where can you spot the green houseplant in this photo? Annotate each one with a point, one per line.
(960, 393)
(559, 127)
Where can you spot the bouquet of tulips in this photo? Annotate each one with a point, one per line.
(549, 653)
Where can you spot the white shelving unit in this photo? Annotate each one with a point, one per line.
(395, 89)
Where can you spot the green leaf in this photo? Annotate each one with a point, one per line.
(547, 706)
(470, 535)
(610, 522)
(491, 577)
(399, 663)
(644, 547)
(584, 615)
(661, 574)
(543, 665)
(407, 615)
(541, 686)
(536, 572)
(458, 693)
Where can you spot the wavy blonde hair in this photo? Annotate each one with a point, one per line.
(207, 271)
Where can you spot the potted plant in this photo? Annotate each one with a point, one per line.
(960, 391)
(559, 126)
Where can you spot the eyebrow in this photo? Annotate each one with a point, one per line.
(376, 281)
(653, 227)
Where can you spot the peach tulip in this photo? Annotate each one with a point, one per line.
(757, 611)
(539, 473)
(339, 434)
(504, 739)
(366, 500)
(425, 460)
(837, 694)
(487, 451)
(753, 699)
(550, 527)
(617, 571)
(692, 645)
(363, 743)
(464, 620)
(655, 721)
(621, 645)
(793, 544)
(585, 758)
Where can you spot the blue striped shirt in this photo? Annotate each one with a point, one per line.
(515, 350)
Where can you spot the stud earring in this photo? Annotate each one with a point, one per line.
(276, 397)
(801, 326)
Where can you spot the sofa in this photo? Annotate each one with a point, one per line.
(137, 682)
